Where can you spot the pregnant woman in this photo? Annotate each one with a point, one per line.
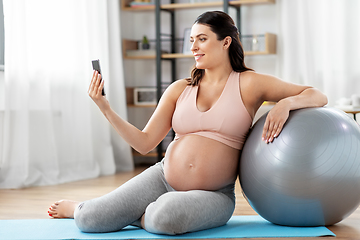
(211, 112)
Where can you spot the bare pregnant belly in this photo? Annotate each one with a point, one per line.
(196, 162)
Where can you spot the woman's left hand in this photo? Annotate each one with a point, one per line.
(95, 92)
(275, 121)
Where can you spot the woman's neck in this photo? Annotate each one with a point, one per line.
(217, 75)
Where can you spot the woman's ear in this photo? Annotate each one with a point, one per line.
(226, 42)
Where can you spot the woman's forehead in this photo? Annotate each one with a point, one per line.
(199, 29)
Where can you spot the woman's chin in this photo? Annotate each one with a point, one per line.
(199, 66)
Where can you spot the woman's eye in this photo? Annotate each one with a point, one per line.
(202, 39)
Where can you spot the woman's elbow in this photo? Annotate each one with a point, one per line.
(144, 144)
(316, 97)
(323, 100)
(144, 150)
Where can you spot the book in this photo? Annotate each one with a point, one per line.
(140, 4)
(137, 53)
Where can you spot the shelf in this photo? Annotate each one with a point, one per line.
(130, 100)
(164, 56)
(176, 55)
(177, 6)
(238, 3)
(142, 106)
(125, 5)
(270, 48)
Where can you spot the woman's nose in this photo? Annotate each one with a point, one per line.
(193, 46)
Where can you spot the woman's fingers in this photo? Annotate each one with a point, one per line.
(97, 82)
(275, 121)
(272, 129)
(92, 82)
(267, 135)
(96, 85)
(268, 129)
(265, 130)
(275, 132)
(101, 86)
(95, 92)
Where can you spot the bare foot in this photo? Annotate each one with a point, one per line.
(63, 209)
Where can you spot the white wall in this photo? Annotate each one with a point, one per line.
(2, 97)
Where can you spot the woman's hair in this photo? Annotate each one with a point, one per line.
(222, 25)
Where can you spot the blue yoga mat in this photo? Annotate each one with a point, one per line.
(237, 227)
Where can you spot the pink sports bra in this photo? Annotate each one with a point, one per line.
(227, 121)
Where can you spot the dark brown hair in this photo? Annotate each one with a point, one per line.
(222, 25)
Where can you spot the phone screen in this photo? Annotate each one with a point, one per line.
(96, 66)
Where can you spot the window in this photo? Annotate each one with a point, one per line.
(2, 40)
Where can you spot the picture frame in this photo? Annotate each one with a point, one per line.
(145, 96)
(186, 43)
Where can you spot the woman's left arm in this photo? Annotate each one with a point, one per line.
(288, 97)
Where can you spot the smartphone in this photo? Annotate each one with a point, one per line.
(96, 67)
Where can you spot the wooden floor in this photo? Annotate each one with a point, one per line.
(33, 203)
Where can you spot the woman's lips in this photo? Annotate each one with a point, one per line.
(198, 56)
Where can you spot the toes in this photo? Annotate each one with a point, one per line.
(51, 212)
(55, 205)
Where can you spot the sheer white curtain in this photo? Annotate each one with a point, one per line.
(318, 45)
(51, 131)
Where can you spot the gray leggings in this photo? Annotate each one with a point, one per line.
(167, 211)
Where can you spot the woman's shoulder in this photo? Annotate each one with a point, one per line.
(253, 85)
(255, 79)
(181, 83)
(250, 75)
(175, 89)
(248, 78)
(178, 85)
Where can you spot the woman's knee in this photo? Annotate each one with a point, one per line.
(161, 217)
(89, 219)
(181, 212)
(85, 219)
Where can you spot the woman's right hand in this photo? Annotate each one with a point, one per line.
(95, 92)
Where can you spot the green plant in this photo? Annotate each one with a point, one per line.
(145, 43)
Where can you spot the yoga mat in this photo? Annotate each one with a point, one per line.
(237, 227)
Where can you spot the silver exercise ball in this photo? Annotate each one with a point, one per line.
(310, 174)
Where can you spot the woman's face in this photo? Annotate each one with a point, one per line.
(207, 50)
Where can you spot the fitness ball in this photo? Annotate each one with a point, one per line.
(310, 174)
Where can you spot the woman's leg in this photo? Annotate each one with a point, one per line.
(122, 206)
(181, 212)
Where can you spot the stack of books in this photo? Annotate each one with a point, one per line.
(140, 3)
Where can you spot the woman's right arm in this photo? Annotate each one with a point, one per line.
(157, 127)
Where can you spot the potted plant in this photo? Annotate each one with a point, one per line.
(145, 43)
